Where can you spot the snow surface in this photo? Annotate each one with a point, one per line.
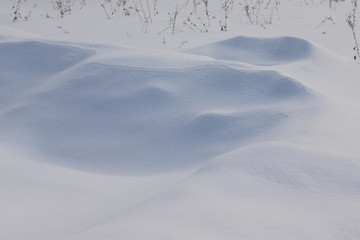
(236, 135)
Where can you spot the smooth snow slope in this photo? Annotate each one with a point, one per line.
(241, 138)
(266, 191)
(42, 201)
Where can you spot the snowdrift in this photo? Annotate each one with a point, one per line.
(97, 110)
(259, 51)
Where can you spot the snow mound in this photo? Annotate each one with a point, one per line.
(258, 51)
(289, 190)
(85, 111)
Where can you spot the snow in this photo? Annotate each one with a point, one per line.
(110, 133)
(192, 113)
(294, 192)
(258, 51)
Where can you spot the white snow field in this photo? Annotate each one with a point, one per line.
(113, 134)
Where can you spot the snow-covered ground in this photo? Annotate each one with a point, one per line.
(110, 131)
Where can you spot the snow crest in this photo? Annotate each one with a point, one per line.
(258, 51)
